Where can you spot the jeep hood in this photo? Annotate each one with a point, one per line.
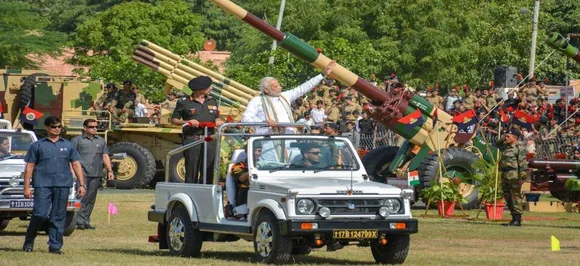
(327, 186)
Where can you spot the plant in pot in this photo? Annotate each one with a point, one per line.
(445, 194)
(489, 196)
(573, 185)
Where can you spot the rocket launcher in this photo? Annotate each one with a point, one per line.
(390, 107)
(561, 45)
(179, 71)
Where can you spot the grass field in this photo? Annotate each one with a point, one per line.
(439, 242)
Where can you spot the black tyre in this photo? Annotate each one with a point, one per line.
(70, 224)
(4, 224)
(183, 240)
(394, 252)
(177, 168)
(270, 245)
(136, 170)
(377, 162)
(26, 95)
(458, 162)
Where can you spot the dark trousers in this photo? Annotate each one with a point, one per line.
(194, 165)
(88, 201)
(49, 205)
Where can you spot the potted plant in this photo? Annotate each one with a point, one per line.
(573, 185)
(489, 196)
(445, 194)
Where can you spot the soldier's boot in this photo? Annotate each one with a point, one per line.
(516, 220)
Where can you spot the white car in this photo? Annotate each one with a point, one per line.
(294, 203)
(14, 145)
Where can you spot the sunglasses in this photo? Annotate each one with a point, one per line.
(91, 126)
(59, 126)
(315, 153)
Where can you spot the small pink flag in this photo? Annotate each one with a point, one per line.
(113, 209)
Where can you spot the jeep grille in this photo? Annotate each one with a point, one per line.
(351, 207)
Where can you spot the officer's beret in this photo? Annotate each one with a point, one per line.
(332, 125)
(513, 131)
(199, 83)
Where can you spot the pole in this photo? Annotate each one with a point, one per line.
(278, 26)
(534, 36)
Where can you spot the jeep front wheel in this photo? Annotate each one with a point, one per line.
(183, 240)
(4, 224)
(269, 243)
(394, 252)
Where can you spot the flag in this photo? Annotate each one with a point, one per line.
(524, 119)
(412, 120)
(504, 117)
(413, 178)
(466, 126)
(555, 243)
(113, 209)
(30, 116)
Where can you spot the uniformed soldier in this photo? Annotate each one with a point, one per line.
(105, 100)
(513, 167)
(350, 106)
(94, 152)
(490, 100)
(123, 106)
(437, 100)
(469, 100)
(189, 113)
(49, 159)
(171, 101)
(333, 113)
(315, 98)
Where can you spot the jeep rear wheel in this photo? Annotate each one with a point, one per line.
(394, 252)
(70, 224)
(136, 170)
(4, 224)
(183, 240)
(270, 245)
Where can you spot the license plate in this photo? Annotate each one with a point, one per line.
(21, 204)
(355, 234)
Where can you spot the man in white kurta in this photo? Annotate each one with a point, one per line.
(273, 107)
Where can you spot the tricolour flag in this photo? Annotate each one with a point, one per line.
(30, 116)
(413, 178)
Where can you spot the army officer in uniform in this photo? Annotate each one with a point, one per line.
(188, 113)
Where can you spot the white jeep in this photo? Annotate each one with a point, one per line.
(15, 144)
(305, 192)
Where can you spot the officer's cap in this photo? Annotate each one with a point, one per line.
(199, 83)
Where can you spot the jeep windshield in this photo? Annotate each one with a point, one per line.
(300, 154)
(14, 144)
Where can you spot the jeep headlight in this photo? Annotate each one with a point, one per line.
(394, 205)
(14, 181)
(305, 206)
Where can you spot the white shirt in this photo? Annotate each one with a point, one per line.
(318, 115)
(140, 110)
(255, 112)
(309, 122)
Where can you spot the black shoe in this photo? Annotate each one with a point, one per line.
(28, 247)
(55, 251)
(81, 227)
(90, 227)
(516, 220)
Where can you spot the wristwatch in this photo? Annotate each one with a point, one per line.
(85, 186)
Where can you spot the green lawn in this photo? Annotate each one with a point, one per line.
(439, 242)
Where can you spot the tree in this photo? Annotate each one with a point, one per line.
(106, 42)
(23, 32)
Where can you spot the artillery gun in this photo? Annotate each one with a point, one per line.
(423, 142)
(145, 144)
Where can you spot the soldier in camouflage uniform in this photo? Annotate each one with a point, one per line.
(105, 100)
(124, 106)
(513, 167)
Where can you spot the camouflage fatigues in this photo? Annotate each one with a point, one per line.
(513, 166)
(126, 100)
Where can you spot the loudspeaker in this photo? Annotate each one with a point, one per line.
(505, 77)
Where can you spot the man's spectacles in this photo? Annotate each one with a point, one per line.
(59, 126)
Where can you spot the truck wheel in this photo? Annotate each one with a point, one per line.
(136, 170)
(458, 162)
(177, 168)
(377, 162)
(70, 224)
(394, 252)
(4, 224)
(269, 243)
(183, 239)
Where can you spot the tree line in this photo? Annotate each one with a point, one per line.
(423, 41)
